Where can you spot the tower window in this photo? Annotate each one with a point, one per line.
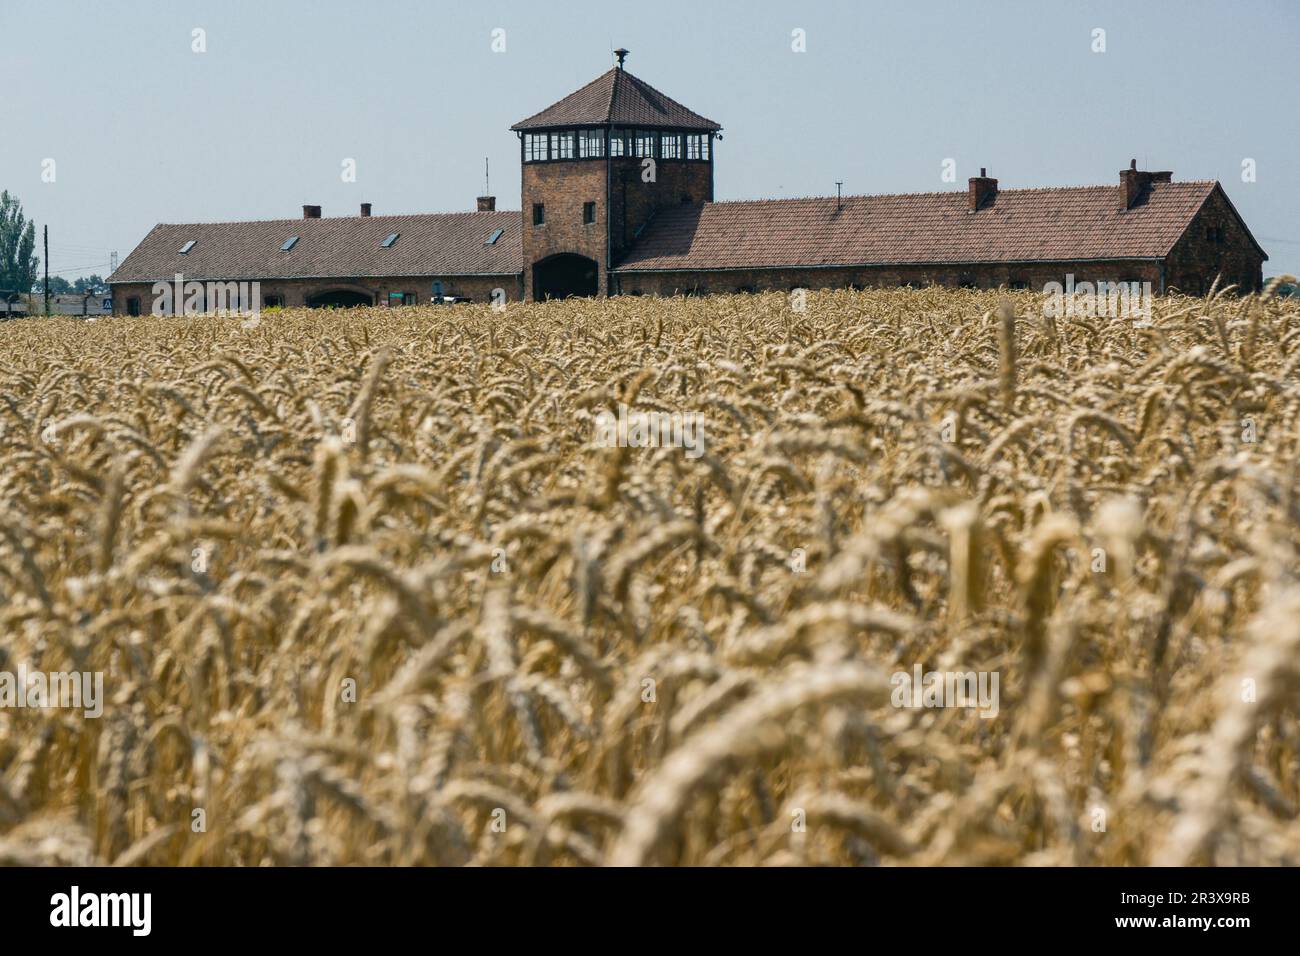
(588, 213)
(534, 147)
(539, 214)
(697, 146)
(644, 143)
(671, 146)
(562, 145)
(618, 142)
(591, 143)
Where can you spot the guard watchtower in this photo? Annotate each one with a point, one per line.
(596, 166)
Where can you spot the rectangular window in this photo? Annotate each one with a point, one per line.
(697, 146)
(670, 146)
(618, 142)
(437, 288)
(644, 143)
(408, 298)
(539, 214)
(273, 301)
(562, 145)
(534, 147)
(591, 143)
(589, 213)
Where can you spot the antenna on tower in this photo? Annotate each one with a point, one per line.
(487, 179)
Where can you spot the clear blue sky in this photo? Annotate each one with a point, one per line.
(144, 130)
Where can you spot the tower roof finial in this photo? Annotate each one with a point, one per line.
(621, 53)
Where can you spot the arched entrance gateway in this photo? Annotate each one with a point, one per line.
(563, 275)
(339, 299)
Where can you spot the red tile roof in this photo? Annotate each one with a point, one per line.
(1016, 225)
(620, 99)
(339, 247)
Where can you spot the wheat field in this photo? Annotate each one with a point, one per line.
(365, 588)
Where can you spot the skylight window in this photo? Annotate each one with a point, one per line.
(392, 238)
(289, 243)
(187, 247)
(492, 239)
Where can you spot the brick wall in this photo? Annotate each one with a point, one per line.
(296, 292)
(1199, 256)
(563, 187)
(634, 201)
(1034, 275)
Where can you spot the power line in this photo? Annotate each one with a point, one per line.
(87, 268)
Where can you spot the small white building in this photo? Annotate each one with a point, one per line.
(90, 303)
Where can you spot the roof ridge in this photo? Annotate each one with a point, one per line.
(300, 219)
(584, 86)
(653, 96)
(950, 192)
(613, 94)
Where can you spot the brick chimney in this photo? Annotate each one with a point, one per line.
(1134, 182)
(982, 188)
(487, 203)
(311, 212)
(365, 209)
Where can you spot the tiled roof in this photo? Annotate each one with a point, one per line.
(1016, 225)
(339, 247)
(618, 98)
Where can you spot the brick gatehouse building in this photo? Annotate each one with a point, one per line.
(617, 198)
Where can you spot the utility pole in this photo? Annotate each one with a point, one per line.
(47, 270)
